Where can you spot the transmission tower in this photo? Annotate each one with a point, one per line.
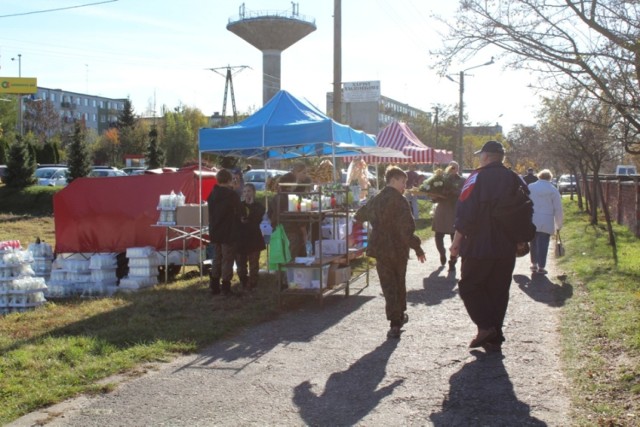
(230, 72)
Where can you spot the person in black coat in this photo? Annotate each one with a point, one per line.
(251, 241)
(224, 223)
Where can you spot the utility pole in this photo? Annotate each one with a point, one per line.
(337, 61)
(228, 75)
(461, 110)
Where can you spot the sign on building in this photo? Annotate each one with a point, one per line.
(361, 91)
(20, 85)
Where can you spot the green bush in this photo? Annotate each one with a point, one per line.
(35, 200)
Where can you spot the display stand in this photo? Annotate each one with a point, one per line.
(182, 233)
(315, 272)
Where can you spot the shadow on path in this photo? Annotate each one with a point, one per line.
(481, 393)
(310, 320)
(540, 288)
(349, 395)
(436, 288)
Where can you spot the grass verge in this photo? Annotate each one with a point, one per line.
(601, 323)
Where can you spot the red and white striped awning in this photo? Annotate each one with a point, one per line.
(399, 136)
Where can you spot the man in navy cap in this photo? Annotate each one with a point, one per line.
(488, 255)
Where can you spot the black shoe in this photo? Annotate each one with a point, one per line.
(452, 265)
(484, 336)
(214, 285)
(226, 288)
(491, 347)
(394, 332)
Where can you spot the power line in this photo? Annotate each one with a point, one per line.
(57, 9)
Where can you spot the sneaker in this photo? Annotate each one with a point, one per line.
(394, 332)
(542, 271)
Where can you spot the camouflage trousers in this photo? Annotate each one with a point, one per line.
(392, 275)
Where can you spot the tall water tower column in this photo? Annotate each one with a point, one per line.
(271, 32)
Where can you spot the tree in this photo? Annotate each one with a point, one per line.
(127, 118)
(78, 155)
(20, 165)
(570, 43)
(4, 149)
(581, 132)
(154, 155)
(179, 140)
(41, 118)
(49, 153)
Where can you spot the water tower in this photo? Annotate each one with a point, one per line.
(271, 32)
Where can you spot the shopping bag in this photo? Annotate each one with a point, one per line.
(279, 252)
(559, 246)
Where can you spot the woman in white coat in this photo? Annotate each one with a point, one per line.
(547, 217)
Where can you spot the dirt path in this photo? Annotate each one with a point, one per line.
(334, 366)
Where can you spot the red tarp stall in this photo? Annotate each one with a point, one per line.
(112, 214)
(398, 136)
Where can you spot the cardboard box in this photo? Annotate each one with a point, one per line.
(307, 278)
(330, 247)
(338, 275)
(188, 215)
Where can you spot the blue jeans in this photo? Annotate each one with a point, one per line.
(539, 249)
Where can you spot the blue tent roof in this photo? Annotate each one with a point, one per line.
(285, 127)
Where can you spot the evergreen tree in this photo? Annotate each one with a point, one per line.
(4, 150)
(48, 154)
(21, 166)
(127, 118)
(78, 155)
(155, 154)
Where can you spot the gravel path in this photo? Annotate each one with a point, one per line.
(333, 365)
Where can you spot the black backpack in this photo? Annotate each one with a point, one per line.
(513, 213)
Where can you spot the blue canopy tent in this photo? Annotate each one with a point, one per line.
(286, 127)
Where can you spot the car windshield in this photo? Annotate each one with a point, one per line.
(255, 177)
(45, 173)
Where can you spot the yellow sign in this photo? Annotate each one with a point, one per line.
(21, 85)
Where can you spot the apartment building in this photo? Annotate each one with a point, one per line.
(97, 112)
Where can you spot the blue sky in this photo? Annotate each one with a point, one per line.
(161, 50)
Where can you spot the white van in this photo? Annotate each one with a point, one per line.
(626, 170)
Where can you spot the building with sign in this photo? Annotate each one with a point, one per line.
(364, 107)
(97, 112)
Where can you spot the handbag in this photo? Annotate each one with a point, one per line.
(559, 251)
(522, 249)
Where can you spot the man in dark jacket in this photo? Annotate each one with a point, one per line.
(488, 255)
(224, 220)
(530, 177)
(392, 236)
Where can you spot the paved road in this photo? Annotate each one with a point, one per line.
(333, 365)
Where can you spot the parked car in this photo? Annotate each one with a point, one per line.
(258, 177)
(626, 170)
(566, 184)
(105, 171)
(52, 176)
(134, 170)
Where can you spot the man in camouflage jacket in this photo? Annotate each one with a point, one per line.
(392, 236)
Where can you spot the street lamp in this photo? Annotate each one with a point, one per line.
(20, 130)
(461, 112)
(19, 64)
